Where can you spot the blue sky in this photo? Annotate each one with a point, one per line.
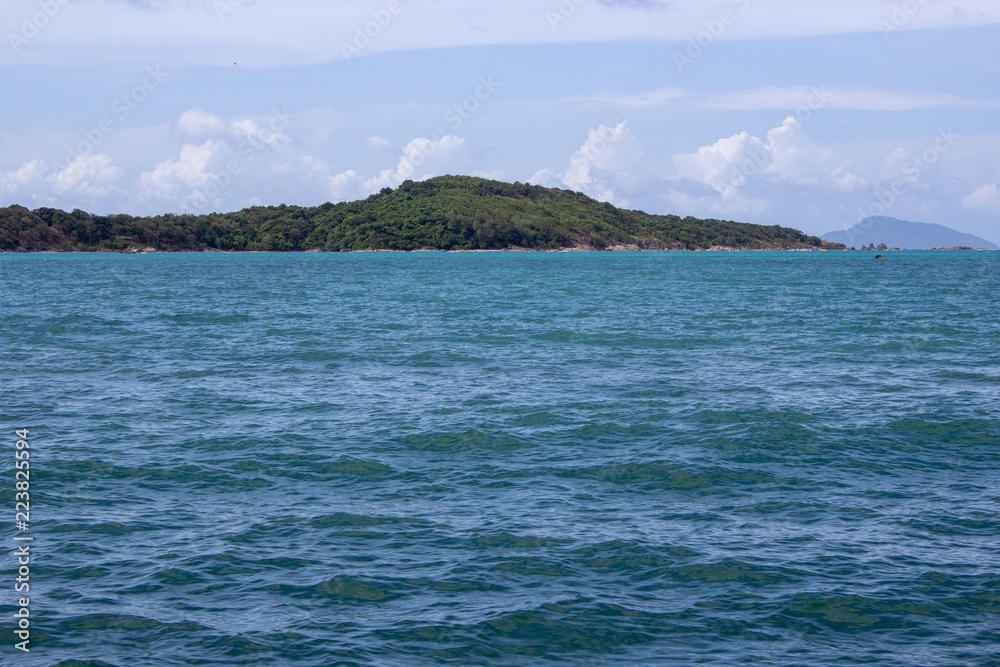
(806, 114)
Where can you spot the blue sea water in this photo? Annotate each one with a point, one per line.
(510, 459)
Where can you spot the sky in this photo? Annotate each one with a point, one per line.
(810, 114)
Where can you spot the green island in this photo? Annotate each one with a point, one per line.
(443, 213)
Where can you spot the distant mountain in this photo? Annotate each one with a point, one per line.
(905, 234)
(446, 213)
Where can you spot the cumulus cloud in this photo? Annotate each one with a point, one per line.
(608, 150)
(725, 164)
(691, 198)
(82, 182)
(220, 164)
(740, 177)
(189, 171)
(415, 160)
(345, 186)
(89, 175)
(214, 151)
(606, 166)
(899, 165)
(787, 156)
(709, 180)
(379, 143)
(253, 155)
(793, 156)
(748, 177)
(197, 126)
(23, 180)
(984, 198)
(249, 132)
(420, 159)
(845, 179)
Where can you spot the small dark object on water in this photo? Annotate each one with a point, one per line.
(879, 256)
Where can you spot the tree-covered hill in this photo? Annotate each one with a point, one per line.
(448, 213)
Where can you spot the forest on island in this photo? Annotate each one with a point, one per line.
(446, 213)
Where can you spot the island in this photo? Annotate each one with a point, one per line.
(906, 234)
(442, 213)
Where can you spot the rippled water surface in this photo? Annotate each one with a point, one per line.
(510, 459)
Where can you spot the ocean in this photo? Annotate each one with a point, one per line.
(503, 459)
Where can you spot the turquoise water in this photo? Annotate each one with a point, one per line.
(505, 459)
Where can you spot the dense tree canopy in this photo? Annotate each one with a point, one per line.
(448, 213)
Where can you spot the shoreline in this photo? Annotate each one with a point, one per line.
(149, 251)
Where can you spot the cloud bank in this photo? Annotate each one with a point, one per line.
(780, 177)
(74, 32)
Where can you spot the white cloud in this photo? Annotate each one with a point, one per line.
(345, 186)
(984, 198)
(493, 175)
(788, 99)
(188, 172)
(898, 165)
(216, 152)
(86, 33)
(660, 98)
(606, 148)
(686, 198)
(722, 164)
(250, 133)
(794, 157)
(379, 143)
(812, 98)
(21, 181)
(89, 175)
(416, 162)
(225, 164)
(198, 125)
(744, 177)
(308, 166)
(420, 159)
(787, 155)
(738, 177)
(607, 165)
(845, 179)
